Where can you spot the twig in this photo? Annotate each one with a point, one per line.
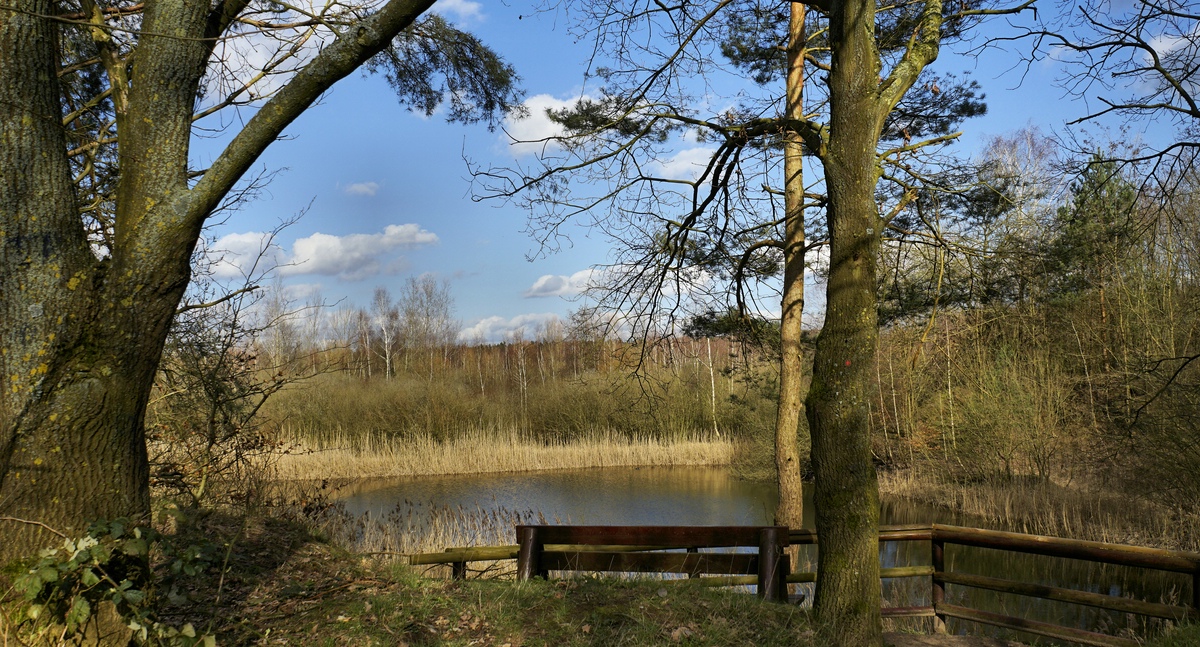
(34, 523)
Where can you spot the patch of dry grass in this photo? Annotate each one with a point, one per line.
(481, 452)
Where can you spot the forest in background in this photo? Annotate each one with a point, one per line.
(1049, 336)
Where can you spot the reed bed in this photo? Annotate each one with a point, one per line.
(414, 527)
(480, 452)
(1048, 508)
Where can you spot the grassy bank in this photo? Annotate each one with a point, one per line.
(275, 583)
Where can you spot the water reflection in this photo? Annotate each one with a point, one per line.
(629, 496)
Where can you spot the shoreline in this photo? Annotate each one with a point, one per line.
(1043, 508)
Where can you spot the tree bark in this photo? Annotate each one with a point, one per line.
(847, 491)
(848, 594)
(790, 417)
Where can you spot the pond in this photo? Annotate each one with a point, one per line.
(711, 496)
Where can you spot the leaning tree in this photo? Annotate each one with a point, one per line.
(100, 210)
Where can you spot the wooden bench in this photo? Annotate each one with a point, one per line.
(638, 549)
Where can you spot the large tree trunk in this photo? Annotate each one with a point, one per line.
(847, 492)
(82, 337)
(790, 511)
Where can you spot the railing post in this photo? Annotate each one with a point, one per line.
(693, 549)
(529, 555)
(772, 576)
(938, 597)
(458, 570)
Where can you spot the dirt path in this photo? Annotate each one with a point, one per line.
(918, 640)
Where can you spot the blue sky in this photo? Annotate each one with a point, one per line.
(385, 195)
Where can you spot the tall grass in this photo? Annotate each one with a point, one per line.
(479, 451)
(1047, 508)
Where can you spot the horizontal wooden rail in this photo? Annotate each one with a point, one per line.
(908, 532)
(804, 578)
(1032, 626)
(908, 612)
(1110, 602)
(657, 536)
(1166, 560)
(492, 553)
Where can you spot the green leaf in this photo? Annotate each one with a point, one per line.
(89, 578)
(134, 596)
(136, 547)
(101, 553)
(48, 574)
(30, 585)
(79, 613)
(116, 529)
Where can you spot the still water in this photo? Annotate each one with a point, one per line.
(711, 496)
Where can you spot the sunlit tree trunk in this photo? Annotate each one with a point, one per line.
(790, 417)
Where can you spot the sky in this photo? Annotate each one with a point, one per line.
(381, 194)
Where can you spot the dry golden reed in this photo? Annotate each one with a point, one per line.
(479, 452)
(1048, 508)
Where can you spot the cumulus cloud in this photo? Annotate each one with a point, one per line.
(493, 330)
(530, 134)
(363, 188)
(687, 164)
(462, 9)
(350, 258)
(558, 285)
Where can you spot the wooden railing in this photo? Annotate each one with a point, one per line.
(639, 549)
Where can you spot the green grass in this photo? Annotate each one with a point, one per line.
(563, 612)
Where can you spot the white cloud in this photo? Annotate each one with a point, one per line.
(238, 61)
(530, 134)
(350, 258)
(243, 255)
(464, 10)
(558, 285)
(497, 329)
(687, 164)
(363, 188)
